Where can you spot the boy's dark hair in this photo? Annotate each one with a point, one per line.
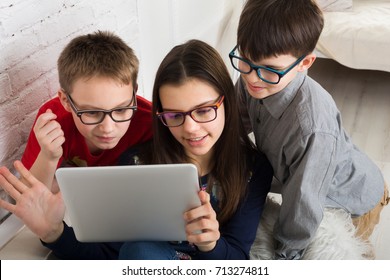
(99, 54)
(276, 27)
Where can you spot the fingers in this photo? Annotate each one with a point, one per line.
(204, 239)
(204, 197)
(13, 185)
(202, 226)
(47, 126)
(7, 206)
(26, 174)
(205, 210)
(204, 233)
(7, 180)
(49, 134)
(44, 119)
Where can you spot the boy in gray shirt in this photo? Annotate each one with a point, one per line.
(298, 126)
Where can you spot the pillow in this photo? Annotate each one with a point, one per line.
(335, 5)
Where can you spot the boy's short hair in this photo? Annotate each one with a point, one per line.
(99, 54)
(276, 27)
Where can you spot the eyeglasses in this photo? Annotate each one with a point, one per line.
(266, 74)
(120, 114)
(201, 114)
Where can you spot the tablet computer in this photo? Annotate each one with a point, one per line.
(129, 203)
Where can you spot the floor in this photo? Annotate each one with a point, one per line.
(363, 98)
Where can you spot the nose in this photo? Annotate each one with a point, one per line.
(107, 125)
(253, 77)
(189, 124)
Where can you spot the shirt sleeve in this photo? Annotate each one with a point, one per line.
(238, 234)
(311, 170)
(67, 247)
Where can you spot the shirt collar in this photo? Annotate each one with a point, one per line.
(276, 104)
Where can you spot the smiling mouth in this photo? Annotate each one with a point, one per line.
(255, 87)
(196, 139)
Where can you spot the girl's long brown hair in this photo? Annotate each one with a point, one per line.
(230, 167)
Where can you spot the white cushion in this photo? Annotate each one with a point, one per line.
(358, 39)
(335, 5)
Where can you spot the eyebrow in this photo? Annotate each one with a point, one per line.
(278, 67)
(207, 103)
(275, 67)
(123, 104)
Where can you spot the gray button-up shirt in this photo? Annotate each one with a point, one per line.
(300, 131)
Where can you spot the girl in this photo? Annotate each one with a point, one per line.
(196, 120)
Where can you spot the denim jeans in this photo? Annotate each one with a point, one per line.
(155, 250)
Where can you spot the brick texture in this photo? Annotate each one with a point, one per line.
(32, 35)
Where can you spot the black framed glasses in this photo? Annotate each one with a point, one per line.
(201, 114)
(120, 114)
(266, 74)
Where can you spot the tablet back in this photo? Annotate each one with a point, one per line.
(124, 203)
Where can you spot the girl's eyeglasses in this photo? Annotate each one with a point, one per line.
(201, 114)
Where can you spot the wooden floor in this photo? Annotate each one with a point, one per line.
(363, 98)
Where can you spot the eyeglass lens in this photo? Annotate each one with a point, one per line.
(201, 115)
(117, 115)
(264, 74)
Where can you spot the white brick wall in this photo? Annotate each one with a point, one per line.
(32, 35)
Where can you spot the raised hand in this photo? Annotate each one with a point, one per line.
(49, 135)
(40, 210)
(202, 226)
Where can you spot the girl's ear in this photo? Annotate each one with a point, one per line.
(307, 62)
(64, 100)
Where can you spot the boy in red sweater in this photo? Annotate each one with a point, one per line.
(96, 115)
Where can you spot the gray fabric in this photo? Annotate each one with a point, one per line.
(300, 131)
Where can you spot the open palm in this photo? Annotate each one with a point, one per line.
(40, 210)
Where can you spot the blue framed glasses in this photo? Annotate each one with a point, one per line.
(266, 74)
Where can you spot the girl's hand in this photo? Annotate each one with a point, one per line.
(49, 135)
(40, 210)
(202, 226)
